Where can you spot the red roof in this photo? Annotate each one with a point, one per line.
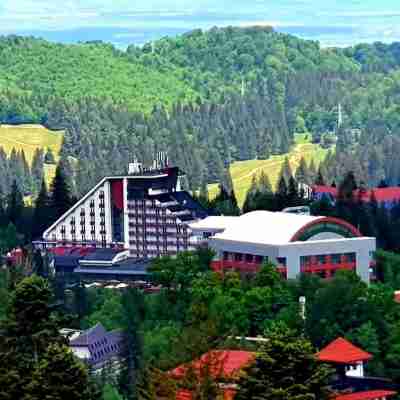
(222, 363)
(388, 194)
(369, 395)
(182, 394)
(325, 189)
(343, 352)
(397, 296)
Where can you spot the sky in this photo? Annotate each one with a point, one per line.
(333, 22)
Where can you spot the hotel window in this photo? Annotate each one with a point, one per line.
(82, 212)
(249, 258)
(238, 257)
(63, 232)
(281, 261)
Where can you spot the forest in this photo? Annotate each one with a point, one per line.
(207, 98)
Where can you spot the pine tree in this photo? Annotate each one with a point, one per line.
(37, 169)
(61, 199)
(250, 202)
(293, 193)
(320, 181)
(302, 175)
(30, 326)
(285, 368)
(42, 213)
(15, 204)
(286, 170)
(59, 375)
(282, 193)
(264, 184)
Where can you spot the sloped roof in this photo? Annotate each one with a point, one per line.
(368, 395)
(183, 394)
(213, 223)
(342, 351)
(221, 363)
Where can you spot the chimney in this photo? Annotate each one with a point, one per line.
(134, 167)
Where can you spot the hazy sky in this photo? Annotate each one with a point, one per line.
(331, 21)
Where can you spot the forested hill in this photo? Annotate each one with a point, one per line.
(37, 68)
(208, 98)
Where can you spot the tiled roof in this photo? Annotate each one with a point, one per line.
(369, 395)
(221, 363)
(101, 344)
(343, 352)
(182, 394)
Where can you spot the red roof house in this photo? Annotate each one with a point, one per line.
(341, 351)
(221, 364)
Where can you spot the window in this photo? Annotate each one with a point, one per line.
(281, 261)
(249, 258)
(238, 257)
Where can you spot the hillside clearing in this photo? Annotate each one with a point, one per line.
(29, 138)
(242, 171)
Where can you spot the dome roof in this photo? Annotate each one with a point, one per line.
(265, 227)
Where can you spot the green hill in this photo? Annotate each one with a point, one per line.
(41, 68)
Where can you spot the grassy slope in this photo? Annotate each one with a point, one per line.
(29, 138)
(242, 171)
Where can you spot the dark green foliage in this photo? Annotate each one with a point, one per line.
(42, 215)
(60, 200)
(285, 368)
(15, 204)
(59, 375)
(30, 326)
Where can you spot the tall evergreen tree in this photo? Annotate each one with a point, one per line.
(302, 175)
(59, 375)
(264, 184)
(15, 204)
(42, 214)
(285, 368)
(320, 178)
(37, 169)
(61, 199)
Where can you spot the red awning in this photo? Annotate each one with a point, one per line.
(369, 395)
(342, 351)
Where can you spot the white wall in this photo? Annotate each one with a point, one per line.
(363, 247)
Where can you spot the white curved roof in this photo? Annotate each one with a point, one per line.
(265, 227)
(213, 223)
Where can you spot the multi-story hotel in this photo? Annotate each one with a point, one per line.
(144, 212)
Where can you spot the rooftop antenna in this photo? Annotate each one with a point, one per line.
(340, 116)
(302, 303)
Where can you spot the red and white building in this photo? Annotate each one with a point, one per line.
(295, 243)
(144, 212)
(350, 381)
